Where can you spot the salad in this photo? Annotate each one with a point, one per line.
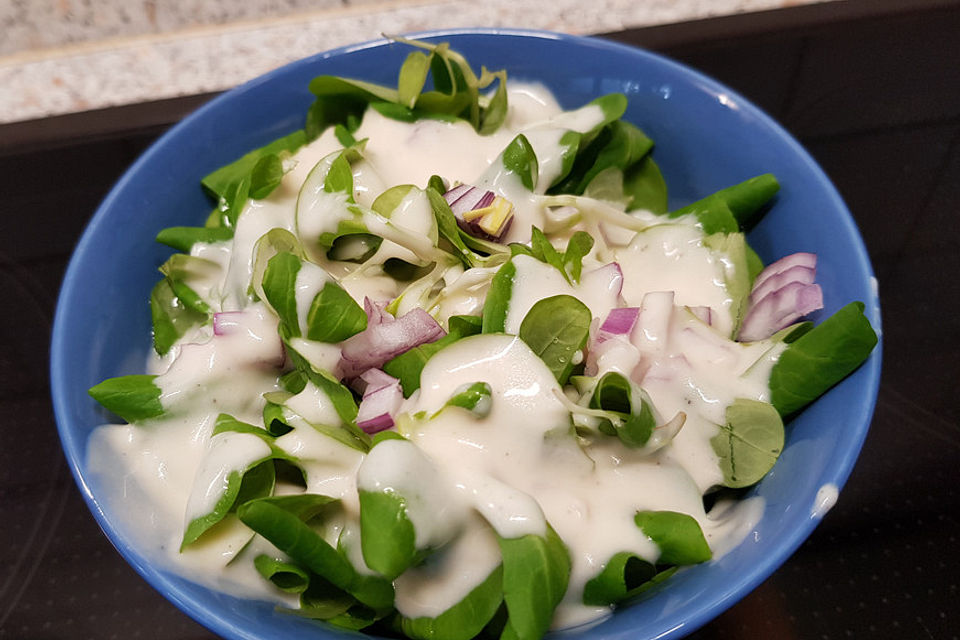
(444, 364)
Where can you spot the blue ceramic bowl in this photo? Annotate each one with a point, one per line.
(707, 137)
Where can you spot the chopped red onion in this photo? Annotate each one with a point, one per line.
(808, 260)
(228, 322)
(703, 314)
(376, 312)
(381, 401)
(385, 338)
(780, 309)
(376, 379)
(454, 194)
(468, 200)
(619, 322)
(464, 198)
(656, 310)
(797, 273)
(615, 353)
(609, 277)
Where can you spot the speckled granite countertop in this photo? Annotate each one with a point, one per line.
(65, 56)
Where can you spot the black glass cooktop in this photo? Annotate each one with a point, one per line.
(872, 89)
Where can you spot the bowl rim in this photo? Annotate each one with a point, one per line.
(749, 578)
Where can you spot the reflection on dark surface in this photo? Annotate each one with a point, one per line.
(877, 103)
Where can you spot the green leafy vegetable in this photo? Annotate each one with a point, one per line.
(280, 288)
(231, 184)
(464, 620)
(171, 318)
(625, 575)
(497, 304)
(340, 396)
(536, 570)
(133, 398)
(556, 328)
(520, 159)
(334, 316)
(286, 576)
(616, 394)
(678, 536)
(266, 176)
(736, 272)
(569, 263)
(290, 534)
(821, 358)
(475, 398)
(183, 238)
(255, 480)
(749, 443)
(387, 536)
(733, 208)
(645, 187)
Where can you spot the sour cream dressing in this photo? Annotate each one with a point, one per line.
(509, 473)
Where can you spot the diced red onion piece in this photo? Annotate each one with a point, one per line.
(703, 314)
(376, 379)
(802, 259)
(608, 277)
(384, 338)
(486, 200)
(469, 200)
(376, 313)
(656, 310)
(619, 322)
(379, 405)
(797, 273)
(453, 194)
(228, 322)
(377, 424)
(464, 198)
(780, 309)
(616, 353)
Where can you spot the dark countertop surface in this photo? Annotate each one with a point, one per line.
(872, 89)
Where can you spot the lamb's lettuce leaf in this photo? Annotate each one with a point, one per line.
(749, 442)
(134, 398)
(556, 328)
(821, 358)
(286, 529)
(536, 570)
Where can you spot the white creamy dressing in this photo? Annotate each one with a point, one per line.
(535, 280)
(825, 500)
(672, 257)
(509, 473)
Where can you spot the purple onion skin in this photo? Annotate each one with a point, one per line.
(796, 273)
(620, 321)
(221, 324)
(779, 309)
(800, 258)
(384, 338)
(376, 425)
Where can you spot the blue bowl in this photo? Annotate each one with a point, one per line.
(708, 138)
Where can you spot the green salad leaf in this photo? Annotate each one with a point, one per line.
(464, 620)
(286, 576)
(334, 316)
(134, 398)
(678, 536)
(614, 393)
(555, 329)
(287, 531)
(536, 570)
(749, 442)
(821, 358)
